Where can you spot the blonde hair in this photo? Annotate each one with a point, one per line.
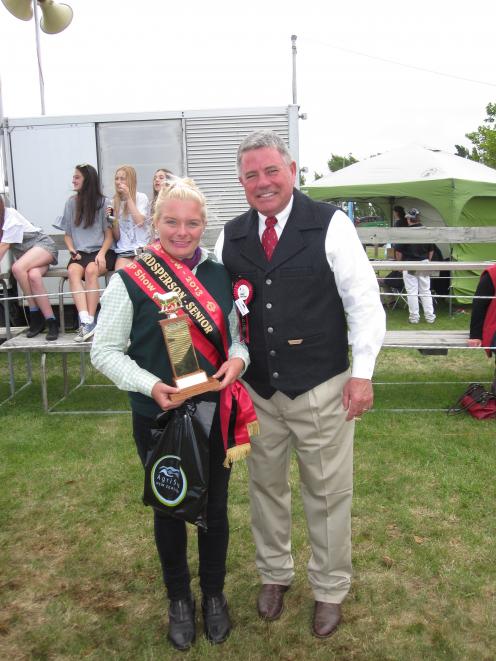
(131, 181)
(180, 189)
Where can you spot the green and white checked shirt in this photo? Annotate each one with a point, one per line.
(111, 339)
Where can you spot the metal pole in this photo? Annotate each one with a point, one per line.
(1, 103)
(293, 48)
(3, 169)
(38, 53)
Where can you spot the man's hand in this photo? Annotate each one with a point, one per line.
(358, 397)
(161, 392)
(229, 371)
(474, 342)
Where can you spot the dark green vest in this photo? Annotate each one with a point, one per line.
(147, 346)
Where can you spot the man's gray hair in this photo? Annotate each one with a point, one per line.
(261, 139)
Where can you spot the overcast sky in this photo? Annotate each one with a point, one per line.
(144, 55)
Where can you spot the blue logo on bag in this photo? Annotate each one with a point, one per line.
(168, 480)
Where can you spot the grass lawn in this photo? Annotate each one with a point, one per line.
(79, 578)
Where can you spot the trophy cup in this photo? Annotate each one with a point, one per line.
(187, 374)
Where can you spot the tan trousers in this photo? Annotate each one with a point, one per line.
(314, 425)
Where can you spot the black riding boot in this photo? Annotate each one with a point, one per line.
(182, 623)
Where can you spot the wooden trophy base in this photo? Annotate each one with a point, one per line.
(206, 386)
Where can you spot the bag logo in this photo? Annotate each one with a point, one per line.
(168, 480)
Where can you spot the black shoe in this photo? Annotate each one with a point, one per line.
(36, 323)
(53, 330)
(182, 623)
(216, 620)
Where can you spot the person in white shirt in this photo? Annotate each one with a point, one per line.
(33, 252)
(305, 290)
(131, 226)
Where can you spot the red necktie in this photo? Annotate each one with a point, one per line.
(269, 237)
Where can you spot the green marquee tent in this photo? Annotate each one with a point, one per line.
(448, 190)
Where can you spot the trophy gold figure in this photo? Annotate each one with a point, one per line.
(188, 376)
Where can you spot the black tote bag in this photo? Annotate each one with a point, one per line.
(177, 468)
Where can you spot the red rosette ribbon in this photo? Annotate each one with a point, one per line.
(243, 292)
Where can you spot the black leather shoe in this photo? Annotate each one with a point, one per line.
(182, 632)
(216, 620)
(36, 323)
(53, 330)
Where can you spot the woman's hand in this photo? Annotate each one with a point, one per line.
(100, 260)
(229, 371)
(123, 190)
(474, 342)
(161, 392)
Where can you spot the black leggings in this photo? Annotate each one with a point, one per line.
(170, 533)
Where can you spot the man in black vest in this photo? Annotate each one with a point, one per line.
(301, 282)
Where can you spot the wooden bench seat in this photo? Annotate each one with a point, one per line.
(426, 339)
(65, 343)
(13, 330)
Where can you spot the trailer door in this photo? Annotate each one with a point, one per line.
(147, 145)
(43, 159)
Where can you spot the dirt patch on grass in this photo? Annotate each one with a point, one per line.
(98, 598)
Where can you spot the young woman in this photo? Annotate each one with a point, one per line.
(88, 238)
(131, 228)
(33, 252)
(161, 177)
(129, 348)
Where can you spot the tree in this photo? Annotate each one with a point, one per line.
(466, 153)
(337, 162)
(484, 139)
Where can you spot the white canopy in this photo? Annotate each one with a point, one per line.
(407, 164)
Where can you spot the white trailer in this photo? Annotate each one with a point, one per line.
(40, 155)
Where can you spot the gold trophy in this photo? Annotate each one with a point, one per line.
(188, 376)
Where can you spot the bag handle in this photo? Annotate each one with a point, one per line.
(458, 407)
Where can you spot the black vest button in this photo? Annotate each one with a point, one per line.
(268, 306)
(272, 352)
(268, 281)
(270, 329)
(275, 375)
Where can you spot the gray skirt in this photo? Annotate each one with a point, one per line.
(35, 240)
